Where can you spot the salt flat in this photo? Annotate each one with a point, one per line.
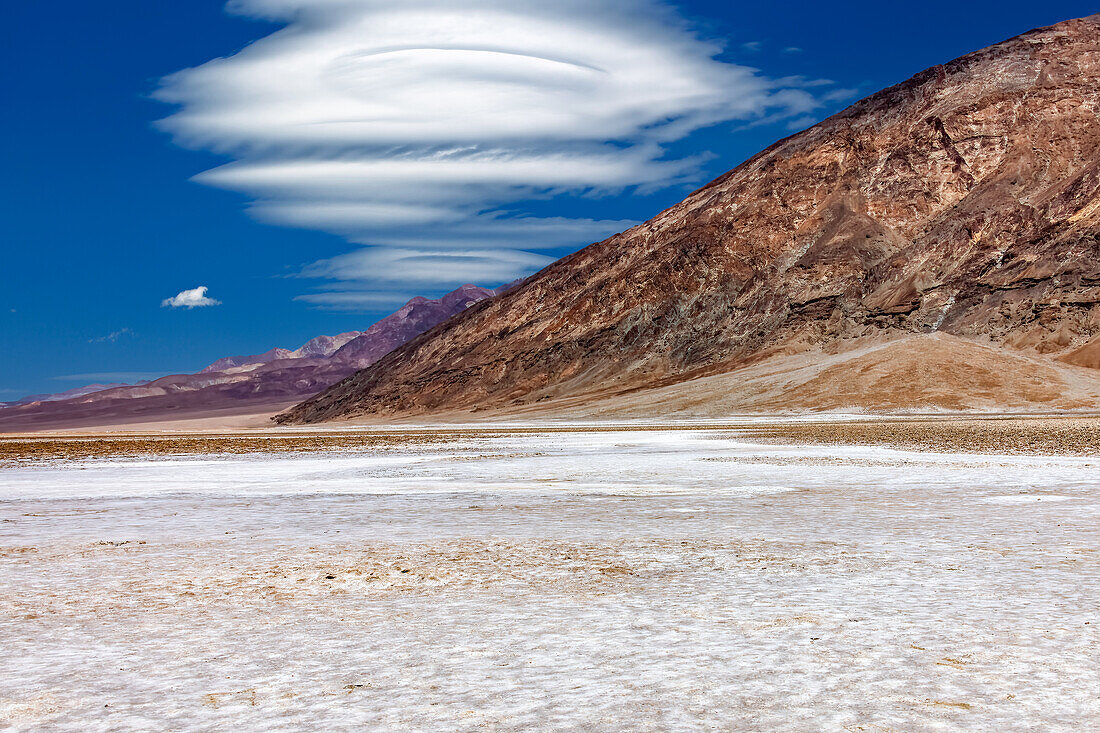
(570, 580)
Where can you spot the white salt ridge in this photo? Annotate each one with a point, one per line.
(641, 581)
(628, 462)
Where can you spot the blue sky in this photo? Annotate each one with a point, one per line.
(102, 220)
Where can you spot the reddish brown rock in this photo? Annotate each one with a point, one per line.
(963, 201)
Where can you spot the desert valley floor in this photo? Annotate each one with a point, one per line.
(844, 575)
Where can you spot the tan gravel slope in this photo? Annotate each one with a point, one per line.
(932, 373)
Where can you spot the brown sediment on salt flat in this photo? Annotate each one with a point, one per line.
(32, 449)
(305, 575)
(1015, 436)
(1064, 436)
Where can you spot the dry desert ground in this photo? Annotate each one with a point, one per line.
(840, 573)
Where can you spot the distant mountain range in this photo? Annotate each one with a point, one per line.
(241, 383)
(934, 246)
(319, 347)
(67, 394)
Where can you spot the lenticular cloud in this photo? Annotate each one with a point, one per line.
(425, 121)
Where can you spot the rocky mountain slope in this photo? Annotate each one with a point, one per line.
(273, 379)
(965, 201)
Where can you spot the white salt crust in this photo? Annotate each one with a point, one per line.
(641, 581)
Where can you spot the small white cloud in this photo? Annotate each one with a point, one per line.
(195, 298)
(354, 301)
(801, 123)
(433, 267)
(792, 49)
(840, 95)
(112, 337)
(752, 46)
(375, 277)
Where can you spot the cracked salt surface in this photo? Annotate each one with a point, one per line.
(639, 581)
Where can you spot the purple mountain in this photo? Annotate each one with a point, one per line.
(242, 384)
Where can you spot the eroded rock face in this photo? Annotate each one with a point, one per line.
(965, 200)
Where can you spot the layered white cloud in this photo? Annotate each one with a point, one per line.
(194, 298)
(421, 123)
(439, 267)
